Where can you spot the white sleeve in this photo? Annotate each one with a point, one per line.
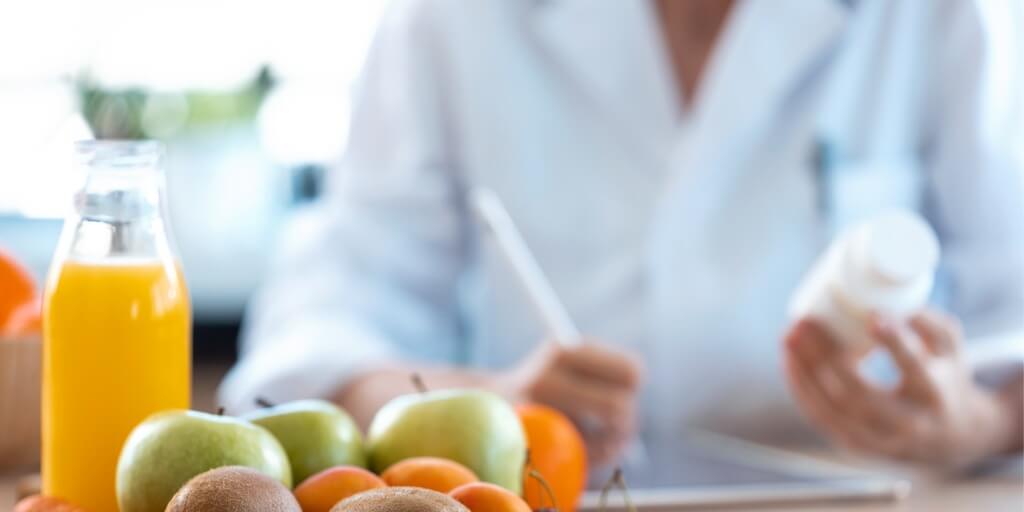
(369, 274)
(976, 164)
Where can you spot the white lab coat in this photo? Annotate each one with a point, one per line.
(677, 234)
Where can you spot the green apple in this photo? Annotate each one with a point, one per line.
(475, 428)
(316, 435)
(169, 448)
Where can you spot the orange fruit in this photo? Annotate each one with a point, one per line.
(16, 286)
(26, 320)
(486, 497)
(434, 473)
(557, 452)
(39, 503)
(320, 492)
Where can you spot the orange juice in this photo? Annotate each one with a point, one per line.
(117, 348)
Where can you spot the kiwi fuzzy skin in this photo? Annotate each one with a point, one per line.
(233, 489)
(399, 499)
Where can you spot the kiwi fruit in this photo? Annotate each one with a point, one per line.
(233, 489)
(399, 499)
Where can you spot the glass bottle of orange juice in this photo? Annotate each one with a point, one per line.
(116, 322)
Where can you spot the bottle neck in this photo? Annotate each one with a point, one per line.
(122, 195)
(119, 213)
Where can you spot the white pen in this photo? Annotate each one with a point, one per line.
(492, 213)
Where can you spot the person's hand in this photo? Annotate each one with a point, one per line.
(591, 383)
(935, 414)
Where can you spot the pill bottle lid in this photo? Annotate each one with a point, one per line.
(889, 262)
(896, 249)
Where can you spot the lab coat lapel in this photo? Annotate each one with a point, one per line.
(767, 48)
(611, 51)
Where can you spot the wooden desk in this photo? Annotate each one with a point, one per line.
(996, 492)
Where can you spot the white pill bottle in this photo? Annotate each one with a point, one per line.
(884, 265)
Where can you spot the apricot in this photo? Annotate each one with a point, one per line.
(485, 497)
(39, 503)
(320, 492)
(434, 473)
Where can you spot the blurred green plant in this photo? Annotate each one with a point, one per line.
(138, 113)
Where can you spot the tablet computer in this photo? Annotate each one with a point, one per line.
(708, 470)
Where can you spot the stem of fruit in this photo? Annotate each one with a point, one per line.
(263, 402)
(220, 411)
(536, 475)
(417, 382)
(617, 480)
(547, 488)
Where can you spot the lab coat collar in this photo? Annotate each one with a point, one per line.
(769, 53)
(611, 53)
(615, 54)
(766, 49)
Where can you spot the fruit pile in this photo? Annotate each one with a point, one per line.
(446, 450)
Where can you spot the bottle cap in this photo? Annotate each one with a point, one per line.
(891, 262)
(118, 154)
(895, 249)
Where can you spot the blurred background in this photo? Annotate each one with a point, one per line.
(251, 99)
